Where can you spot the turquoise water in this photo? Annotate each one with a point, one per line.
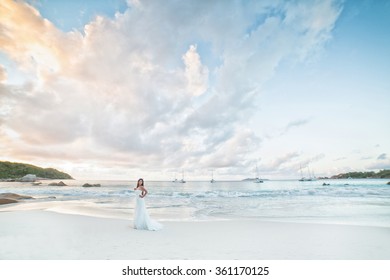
(358, 202)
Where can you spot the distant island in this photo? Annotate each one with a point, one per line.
(362, 175)
(15, 170)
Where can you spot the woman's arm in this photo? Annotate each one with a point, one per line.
(144, 192)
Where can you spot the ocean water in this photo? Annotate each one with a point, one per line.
(352, 201)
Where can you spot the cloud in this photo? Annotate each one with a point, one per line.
(383, 164)
(382, 156)
(289, 164)
(195, 72)
(279, 163)
(293, 124)
(296, 123)
(142, 89)
(340, 158)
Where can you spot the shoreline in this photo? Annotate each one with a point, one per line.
(45, 235)
(91, 209)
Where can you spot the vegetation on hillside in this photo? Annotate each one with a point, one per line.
(14, 170)
(363, 175)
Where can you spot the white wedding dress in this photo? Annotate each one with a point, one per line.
(142, 219)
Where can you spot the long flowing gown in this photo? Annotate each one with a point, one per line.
(142, 219)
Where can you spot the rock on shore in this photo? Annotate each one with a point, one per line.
(29, 178)
(7, 198)
(59, 184)
(86, 185)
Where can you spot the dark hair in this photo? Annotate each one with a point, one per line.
(140, 179)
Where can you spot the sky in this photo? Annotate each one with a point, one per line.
(158, 89)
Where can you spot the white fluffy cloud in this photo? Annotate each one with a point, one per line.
(195, 72)
(163, 85)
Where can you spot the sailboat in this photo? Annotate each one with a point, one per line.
(175, 180)
(257, 179)
(182, 178)
(212, 177)
(311, 176)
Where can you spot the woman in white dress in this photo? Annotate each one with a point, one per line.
(142, 219)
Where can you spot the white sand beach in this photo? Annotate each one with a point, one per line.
(44, 235)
